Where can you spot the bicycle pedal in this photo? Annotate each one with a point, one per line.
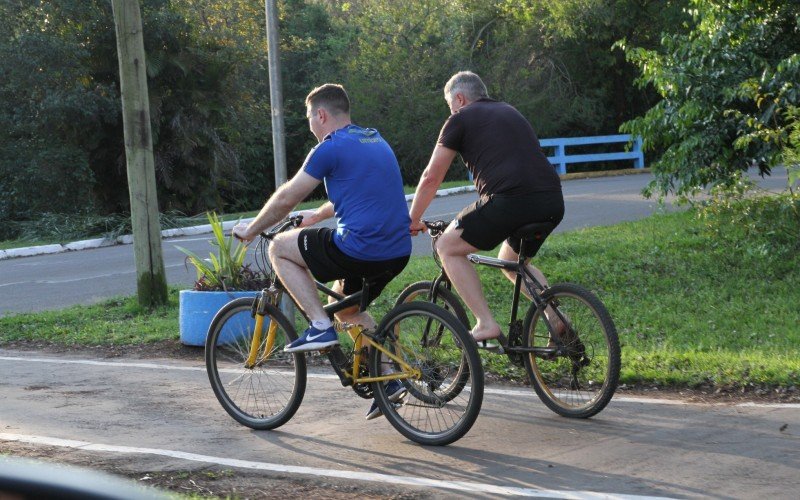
(493, 347)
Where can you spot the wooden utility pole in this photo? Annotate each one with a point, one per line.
(276, 105)
(276, 92)
(151, 282)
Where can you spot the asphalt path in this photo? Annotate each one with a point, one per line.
(54, 281)
(146, 415)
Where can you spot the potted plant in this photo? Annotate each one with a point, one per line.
(222, 277)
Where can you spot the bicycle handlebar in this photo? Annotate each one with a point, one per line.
(435, 227)
(287, 223)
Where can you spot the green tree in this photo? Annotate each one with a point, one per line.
(557, 62)
(729, 93)
(395, 58)
(59, 103)
(52, 113)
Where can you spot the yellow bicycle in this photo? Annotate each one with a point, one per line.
(262, 387)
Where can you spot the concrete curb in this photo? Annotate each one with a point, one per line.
(227, 225)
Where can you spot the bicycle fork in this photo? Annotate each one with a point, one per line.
(259, 313)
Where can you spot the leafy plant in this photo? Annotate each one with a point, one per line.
(728, 93)
(225, 269)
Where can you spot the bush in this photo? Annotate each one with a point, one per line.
(753, 224)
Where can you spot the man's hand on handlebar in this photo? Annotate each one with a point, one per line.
(309, 217)
(417, 227)
(239, 232)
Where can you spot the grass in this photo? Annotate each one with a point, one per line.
(691, 310)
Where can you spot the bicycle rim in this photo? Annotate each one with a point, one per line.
(268, 393)
(430, 413)
(579, 382)
(420, 291)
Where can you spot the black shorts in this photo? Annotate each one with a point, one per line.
(327, 263)
(494, 218)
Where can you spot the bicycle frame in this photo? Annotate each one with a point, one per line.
(273, 294)
(523, 275)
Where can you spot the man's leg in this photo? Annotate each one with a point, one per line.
(508, 253)
(352, 314)
(453, 251)
(284, 253)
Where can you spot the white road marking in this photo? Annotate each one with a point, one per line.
(316, 472)
(331, 376)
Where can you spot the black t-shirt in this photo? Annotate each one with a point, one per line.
(500, 148)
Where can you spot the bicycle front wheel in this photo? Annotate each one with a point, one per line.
(258, 384)
(579, 378)
(430, 413)
(446, 299)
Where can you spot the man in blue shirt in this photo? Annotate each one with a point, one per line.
(365, 192)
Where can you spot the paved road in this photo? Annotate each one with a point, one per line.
(149, 415)
(58, 280)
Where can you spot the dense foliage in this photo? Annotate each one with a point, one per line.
(729, 93)
(718, 79)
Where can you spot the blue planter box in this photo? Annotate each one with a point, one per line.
(197, 310)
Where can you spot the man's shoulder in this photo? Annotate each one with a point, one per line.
(486, 104)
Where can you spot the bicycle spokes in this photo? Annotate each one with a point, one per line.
(574, 359)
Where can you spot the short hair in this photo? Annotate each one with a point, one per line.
(467, 83)
(330, 96)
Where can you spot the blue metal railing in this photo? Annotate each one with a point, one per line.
(561, 158)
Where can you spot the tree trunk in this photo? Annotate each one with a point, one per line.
(151, 283)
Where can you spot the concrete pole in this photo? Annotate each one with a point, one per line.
(276, 92)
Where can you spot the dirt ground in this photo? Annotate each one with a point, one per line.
(216, 482)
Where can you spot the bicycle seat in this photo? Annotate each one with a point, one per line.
(534, 231)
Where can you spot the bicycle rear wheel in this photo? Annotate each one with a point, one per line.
(447, 300)
(579, 380)
(263, 391)
(430, 413)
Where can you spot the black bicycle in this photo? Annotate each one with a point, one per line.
(261, 386)
(567, 342)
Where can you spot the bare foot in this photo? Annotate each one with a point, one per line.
(480, 333)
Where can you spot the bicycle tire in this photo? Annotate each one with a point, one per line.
(436, 419)
(580, 382)
(267, 395)
(447, 300)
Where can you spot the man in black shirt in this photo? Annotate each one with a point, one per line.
(515, 182)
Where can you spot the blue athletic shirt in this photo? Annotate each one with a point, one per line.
(363, 181)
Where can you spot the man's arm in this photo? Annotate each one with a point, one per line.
(279, 205)
(430, 181)
(311, 217)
